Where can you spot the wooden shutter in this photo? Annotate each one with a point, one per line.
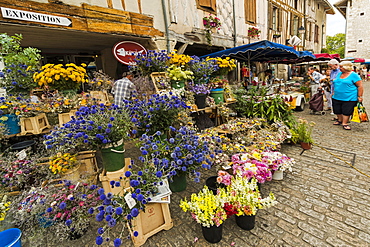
(280, 20)
(208, 4)
(250, 11)
(270, 10)
(291, 24)
(316, 34)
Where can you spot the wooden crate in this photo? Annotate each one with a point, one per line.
(89, 166)
(34, 125)
(157, 217)
(105, 178)
(100, 96)
(65, 117)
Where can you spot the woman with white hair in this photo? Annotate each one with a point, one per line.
(348, 91)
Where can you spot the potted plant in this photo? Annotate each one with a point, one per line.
(303, 131)
(178, 76)
(210, 23)
(65, 165)
(253, 32)
(61, 77)
(181, 156)
(152, 61)
(200, 94)
(20, 63)
(244, 199)
(208, 210)
(96, 127)
(4, 207)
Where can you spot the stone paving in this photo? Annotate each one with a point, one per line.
(323, 202)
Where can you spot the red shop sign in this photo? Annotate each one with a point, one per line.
(126, 51)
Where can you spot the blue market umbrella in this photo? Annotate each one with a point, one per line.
(261, 51)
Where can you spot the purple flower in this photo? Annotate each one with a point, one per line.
(99, 240)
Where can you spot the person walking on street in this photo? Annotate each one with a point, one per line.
(347, 91)
(364, 73)
(326, 86)
(123, 88)
(315, 79)
(334, 66)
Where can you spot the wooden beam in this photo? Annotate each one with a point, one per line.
(139, 5)
(286, 7)
(123, 4)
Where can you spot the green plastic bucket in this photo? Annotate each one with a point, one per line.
(113, 157)
(218, 95)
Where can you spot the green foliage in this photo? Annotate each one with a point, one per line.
(302, 131)
(257, 104)
(335, 44)
(20, 63)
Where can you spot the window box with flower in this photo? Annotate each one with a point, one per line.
(254, 33)
(211, 24)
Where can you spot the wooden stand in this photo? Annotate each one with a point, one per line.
(34, 125)
(157, 217)
(89, 166)
(65, 117)
(105, 178)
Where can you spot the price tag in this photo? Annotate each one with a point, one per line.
(130, 201)
(22, 155)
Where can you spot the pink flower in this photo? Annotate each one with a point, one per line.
(59, 215)
(19, 172)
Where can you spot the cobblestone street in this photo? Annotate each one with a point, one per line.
(323, 202)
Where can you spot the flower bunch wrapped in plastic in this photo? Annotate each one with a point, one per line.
(250, 168)
(61, 208)
(277, 161)
(206, 208)
(244, 196)
(156, 113)
(93, 127)
(61, 77)
(152, 61)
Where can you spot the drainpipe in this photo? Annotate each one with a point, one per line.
(166, 25)
(234, 22)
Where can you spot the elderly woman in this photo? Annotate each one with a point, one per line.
(348, 90)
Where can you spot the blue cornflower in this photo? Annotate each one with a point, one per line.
(62, 205)
(91, 210)
(140, 173)
(112, 222)
(140, 197)
(103, 197)
(136, 234)
(100, 230)
(159, 174)
(135, 212)
(99, 240)
(68, 222)
(119, 211)
(49, 210)
(108, 217)
(127, 174)
(117, 184)
(101, 191)
(117, 242)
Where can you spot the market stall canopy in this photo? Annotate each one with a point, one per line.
(366, 61)
(304, 56)
(261, 51)
(362, 60)
(326, 56)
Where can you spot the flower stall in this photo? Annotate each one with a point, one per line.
(56, 181)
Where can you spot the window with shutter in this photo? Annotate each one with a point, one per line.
(207, 5)
(316, 40)
(250, 11)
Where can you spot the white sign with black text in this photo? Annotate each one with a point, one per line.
(33, 16)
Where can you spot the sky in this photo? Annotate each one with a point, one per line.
(335, 23)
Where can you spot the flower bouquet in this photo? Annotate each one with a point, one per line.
(157, 113)
(61, 209)
(206, 208)
(225, 65)
(202, 69)
(152, 61)
(61, 77)
(92, 128)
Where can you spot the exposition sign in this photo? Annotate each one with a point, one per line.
(36, 17)
(126, 51)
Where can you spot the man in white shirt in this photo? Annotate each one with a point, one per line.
(315, 79)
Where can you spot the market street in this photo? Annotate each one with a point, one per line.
(323, 202)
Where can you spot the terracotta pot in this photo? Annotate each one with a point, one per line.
(306, 146)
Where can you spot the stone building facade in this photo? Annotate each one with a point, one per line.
(86, 31)
(356, 14)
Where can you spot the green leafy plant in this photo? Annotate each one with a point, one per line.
(20, 63)
(256, 103)
(302, 131)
